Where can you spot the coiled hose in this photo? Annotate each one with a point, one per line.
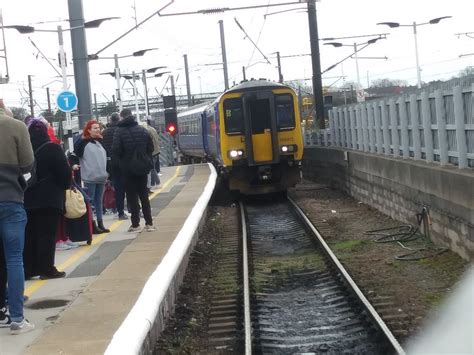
(406, 233)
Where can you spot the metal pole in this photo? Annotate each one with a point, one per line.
(344, 83)
(359, 86)
(173, 91)
(62, 59)
(81, 64)
(117, 79)
(188, 87)
(113, 100)
(136, 96)
(95, 107)
(224, 55)
(7, 75)
(280, 76)
(418, 70)
(243, 73)
(147, 108)
(49, 100)
(30, 92)
(316, 64)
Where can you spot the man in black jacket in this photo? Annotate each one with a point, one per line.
(113, 167)
(131, 140)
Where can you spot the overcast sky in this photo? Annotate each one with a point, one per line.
(198, 37)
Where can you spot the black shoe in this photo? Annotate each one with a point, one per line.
(54, 274)
(95, 229)
(100, 224)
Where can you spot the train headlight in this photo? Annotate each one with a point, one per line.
(288, 149)
(235, 153)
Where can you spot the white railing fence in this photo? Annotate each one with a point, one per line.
(435, 127)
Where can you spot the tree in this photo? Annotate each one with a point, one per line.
(108, 109)
(19, 113)
(59, 115)
(48, 115)
(385, 83)
(467, 71)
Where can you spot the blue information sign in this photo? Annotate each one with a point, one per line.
(67, 101)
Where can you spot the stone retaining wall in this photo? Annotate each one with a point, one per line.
(400, 188)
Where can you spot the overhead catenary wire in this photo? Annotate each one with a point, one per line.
(260, 32)
(250, 39)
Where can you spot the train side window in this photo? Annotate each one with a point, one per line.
(233, 116)
(285, 113)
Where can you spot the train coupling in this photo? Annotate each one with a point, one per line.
(264, 173)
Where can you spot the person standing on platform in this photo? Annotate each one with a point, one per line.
(113, 167)
(93, 163)
(44, 203)
(153, 179)
(133, 147)
(16, 158)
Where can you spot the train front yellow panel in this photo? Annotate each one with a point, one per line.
(262, 147)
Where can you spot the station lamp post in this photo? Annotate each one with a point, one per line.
(134, 77)
(415, 25)
(116, 72)
(62, 56)
(360, 97)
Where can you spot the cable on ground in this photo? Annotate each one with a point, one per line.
(406, 233)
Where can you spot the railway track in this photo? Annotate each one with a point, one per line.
(301, 298)
(278, 289)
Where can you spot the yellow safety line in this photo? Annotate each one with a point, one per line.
(84, 249)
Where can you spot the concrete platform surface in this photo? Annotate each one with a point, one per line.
(80, 313)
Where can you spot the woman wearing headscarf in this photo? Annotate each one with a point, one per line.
(44, 203)
(93, 162)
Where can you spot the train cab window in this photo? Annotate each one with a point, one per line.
(260, 115)
(285, 113)
(233, 116)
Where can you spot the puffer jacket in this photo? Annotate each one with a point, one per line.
(108, 139)
(128, 136)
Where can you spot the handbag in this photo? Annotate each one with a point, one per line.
(75, 206)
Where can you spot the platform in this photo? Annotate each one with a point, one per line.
(81, 313)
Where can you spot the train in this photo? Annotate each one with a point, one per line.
(252, 135)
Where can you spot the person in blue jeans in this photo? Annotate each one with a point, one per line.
(93, 162)
(16, 158)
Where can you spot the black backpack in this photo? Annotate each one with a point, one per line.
(140, 162)
(32, 180)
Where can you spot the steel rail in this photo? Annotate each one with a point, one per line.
(247, 320)
(372, 312)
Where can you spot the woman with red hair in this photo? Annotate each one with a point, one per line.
(93, 161)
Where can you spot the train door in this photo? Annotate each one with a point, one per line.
(261, 127)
